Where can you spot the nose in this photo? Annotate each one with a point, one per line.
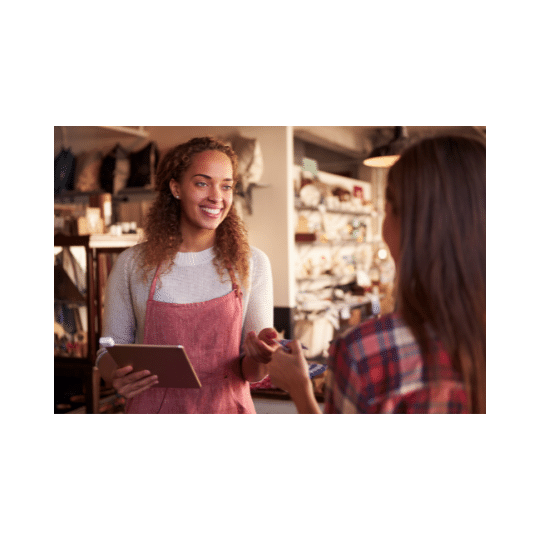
(215, 194)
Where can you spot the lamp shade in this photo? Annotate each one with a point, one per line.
(386, 155)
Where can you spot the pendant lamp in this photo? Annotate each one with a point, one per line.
(385, 156)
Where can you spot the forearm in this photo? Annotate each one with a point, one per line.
(252, 370)
(304, 398)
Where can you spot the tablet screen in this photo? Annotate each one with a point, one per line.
(169, 362)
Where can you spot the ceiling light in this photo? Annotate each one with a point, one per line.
(386, 155)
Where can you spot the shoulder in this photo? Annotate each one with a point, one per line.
(259, 262)
(132, 254)
(389, 332)
(377, 349)
(128, 262)
(259, 257)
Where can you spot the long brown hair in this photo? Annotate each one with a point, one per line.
(437, 188)
(162, 224)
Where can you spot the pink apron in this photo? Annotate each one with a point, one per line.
(210, 333)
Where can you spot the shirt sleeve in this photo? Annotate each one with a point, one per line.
(119, 320)
(342, 383)
(260, 307)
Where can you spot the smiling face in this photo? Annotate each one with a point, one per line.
(205, 192)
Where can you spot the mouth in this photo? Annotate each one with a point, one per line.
(211, 212)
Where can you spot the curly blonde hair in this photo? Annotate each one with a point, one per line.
(162, 223)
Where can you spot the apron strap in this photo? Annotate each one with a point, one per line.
(153, 286)
(237, 290)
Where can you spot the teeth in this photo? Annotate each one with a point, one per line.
(214, 211)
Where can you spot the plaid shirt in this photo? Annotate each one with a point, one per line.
(378, 368)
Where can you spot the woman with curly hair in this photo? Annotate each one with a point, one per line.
(429, 356)
(195, 282)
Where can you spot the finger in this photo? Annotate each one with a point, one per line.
(296, 348)
(136, 388)
(264, 351)
(136, 376)
(264, 347)
(266, 340)
(254, 346)
(268, 335)
(280, 352)
(259, 354)
(251, 337)
(298, 355)
(120, 372)
(249, 347)
(121, 382)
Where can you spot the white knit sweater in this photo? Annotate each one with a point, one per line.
(193, 278)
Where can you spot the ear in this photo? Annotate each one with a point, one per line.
(174, 187)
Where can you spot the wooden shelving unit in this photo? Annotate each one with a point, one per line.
(83, 368)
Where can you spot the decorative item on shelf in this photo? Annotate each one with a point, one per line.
(323, 238)
(358, 229)
(342, 194)
(303, 231)
(302, 225)
(91, 223)
(368, 207)
(342, 265)
(128, 227)
(332, 203)
(308, 268)
(103, 201)
(305, 179)
(142, 167)
(310, 166)
(312, 192)
(65, 218)
(115, 169)
(64, 171)
(305, 237)
(302, 178)
(310, 195)
(87, 171)
(358, 192)
(341, 200)
(250, 168)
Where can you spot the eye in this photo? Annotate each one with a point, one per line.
(201, 184)
(227, 187)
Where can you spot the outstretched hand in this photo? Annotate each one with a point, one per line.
(289, 371)
(260, 347)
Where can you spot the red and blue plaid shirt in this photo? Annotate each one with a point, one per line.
(378, 368)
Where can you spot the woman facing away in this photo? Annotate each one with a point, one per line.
(429, 356)
(195, 282)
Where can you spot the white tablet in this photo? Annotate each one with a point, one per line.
(169, 362)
